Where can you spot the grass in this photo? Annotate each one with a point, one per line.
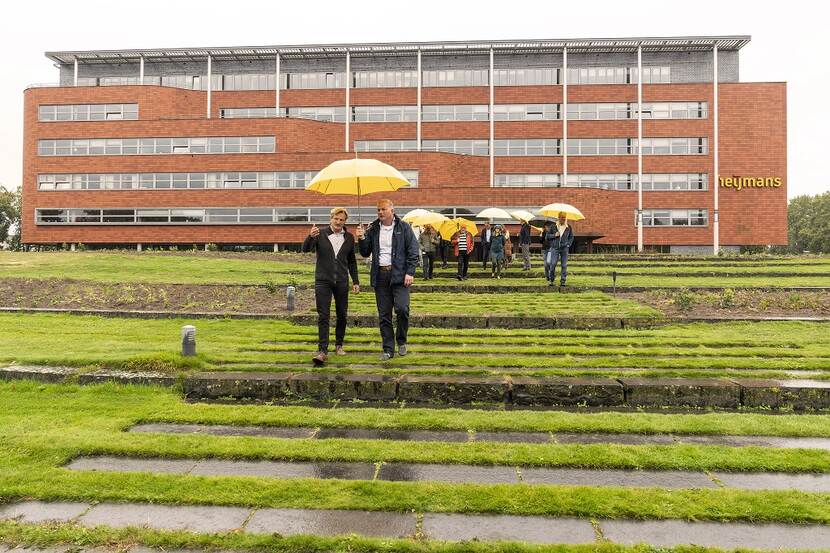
(44, 426)
(769, 349)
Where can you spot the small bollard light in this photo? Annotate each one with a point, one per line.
(188, 340)
(290, 297)
(614, 280)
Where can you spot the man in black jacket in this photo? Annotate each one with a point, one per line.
(335, 262)
(524, 244)
(394, 251)
(486, 239)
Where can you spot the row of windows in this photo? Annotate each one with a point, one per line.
(622, 181)
(181, 181)
(149, 146)
(544, 146)
(294, 215)
(674, 217)
(88, 112)
(394, 79)
(651, 110)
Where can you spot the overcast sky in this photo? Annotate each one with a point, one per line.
(789, 43)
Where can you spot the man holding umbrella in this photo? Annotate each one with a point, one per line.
(394, 251)
(563, 237)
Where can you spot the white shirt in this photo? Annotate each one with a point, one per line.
(561, 229)
(385, 241)
(337, 239)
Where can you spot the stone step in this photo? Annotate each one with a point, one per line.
(432, 526)
(460, 436)
(474, 474)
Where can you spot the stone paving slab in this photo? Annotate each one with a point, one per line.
(38, 511)
(289, 522)
(274, 469)
(454, 527)
(417, 472)
(129, 464)
(191, 518)
(775, 481)
(712, 534)
(622, 478)
(460, 436)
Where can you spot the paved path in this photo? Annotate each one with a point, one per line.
(438, 526)
(425, 472)
(458, 436)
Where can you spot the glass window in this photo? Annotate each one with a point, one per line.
(152, 215)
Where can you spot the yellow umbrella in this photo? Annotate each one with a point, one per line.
(357, 177)
(413, 214)
(428, 218)
(450, 227)
(553, 210)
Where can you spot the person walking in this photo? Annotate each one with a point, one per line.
(497, 243)
(524, 244)
(429, 243)
(336, 261)
(563, 237)
(486, 236)
(547, 238)
(394, 252)
(464, 245)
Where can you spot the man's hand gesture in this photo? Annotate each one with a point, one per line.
(315, 231)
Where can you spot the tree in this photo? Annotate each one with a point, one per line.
(10, 202)
(808, 218)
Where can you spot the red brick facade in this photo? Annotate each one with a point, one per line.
(752, 130)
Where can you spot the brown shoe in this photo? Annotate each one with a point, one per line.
(340, 351)
(319, 358)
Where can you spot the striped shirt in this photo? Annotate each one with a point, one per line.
(462, 241)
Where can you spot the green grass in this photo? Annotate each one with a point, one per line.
(44, 426)
(768, 349)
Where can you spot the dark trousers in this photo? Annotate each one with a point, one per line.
(444, 248)
(390, 296)
(323, 291)
(463, 263)
(429, 263)
(485, 254)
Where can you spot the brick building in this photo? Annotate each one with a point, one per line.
(195, 146)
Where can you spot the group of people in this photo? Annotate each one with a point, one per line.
(395, 252)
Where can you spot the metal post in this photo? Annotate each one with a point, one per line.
(209, 82)
(639, 148)
(348, 88)
(564, 116)
(419, 101)
(715, 181)
(138, 247)
(492, 122)
(141, 70)
(75, 78)
(188, 340)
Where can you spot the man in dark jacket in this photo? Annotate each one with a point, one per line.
(335, 263)
(524, 244)
(486, 238)
(563, 237)
(394, 250)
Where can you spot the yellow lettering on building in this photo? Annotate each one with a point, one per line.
(739, 183)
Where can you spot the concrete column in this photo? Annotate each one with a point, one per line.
(418, 126)
(276, 248)
(72, 247)
(209, 82)
(141, 70)
(639, 148)
(564, 116)
(716, 176)
(277, 92)
(348, 88)
(75, 77)
(138, 247)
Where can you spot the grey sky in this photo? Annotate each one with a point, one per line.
(789, 43)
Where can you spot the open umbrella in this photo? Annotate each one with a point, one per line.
(451, 226)
(522, 215)
(428, 218)
(553, 210)
(357, 177)
(493, 213)
(413, 214)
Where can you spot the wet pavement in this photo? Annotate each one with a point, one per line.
(426, 472)
(459, 436)
(437, 526)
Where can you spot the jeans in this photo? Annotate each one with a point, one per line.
(390, 296)
(463, 263)
(429, 263)
(546, 259)
(560, 255)
(323, 291)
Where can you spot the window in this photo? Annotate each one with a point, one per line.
(527, 180)
(385, 145)
(529, 147)
(384, 114)
(316, 80)
(470, 112)
(455, 77)
(674, 217)
(384, 79)
(525, 77)
(243, 113)
(337, 114)
(466, 147)
(156, 146)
